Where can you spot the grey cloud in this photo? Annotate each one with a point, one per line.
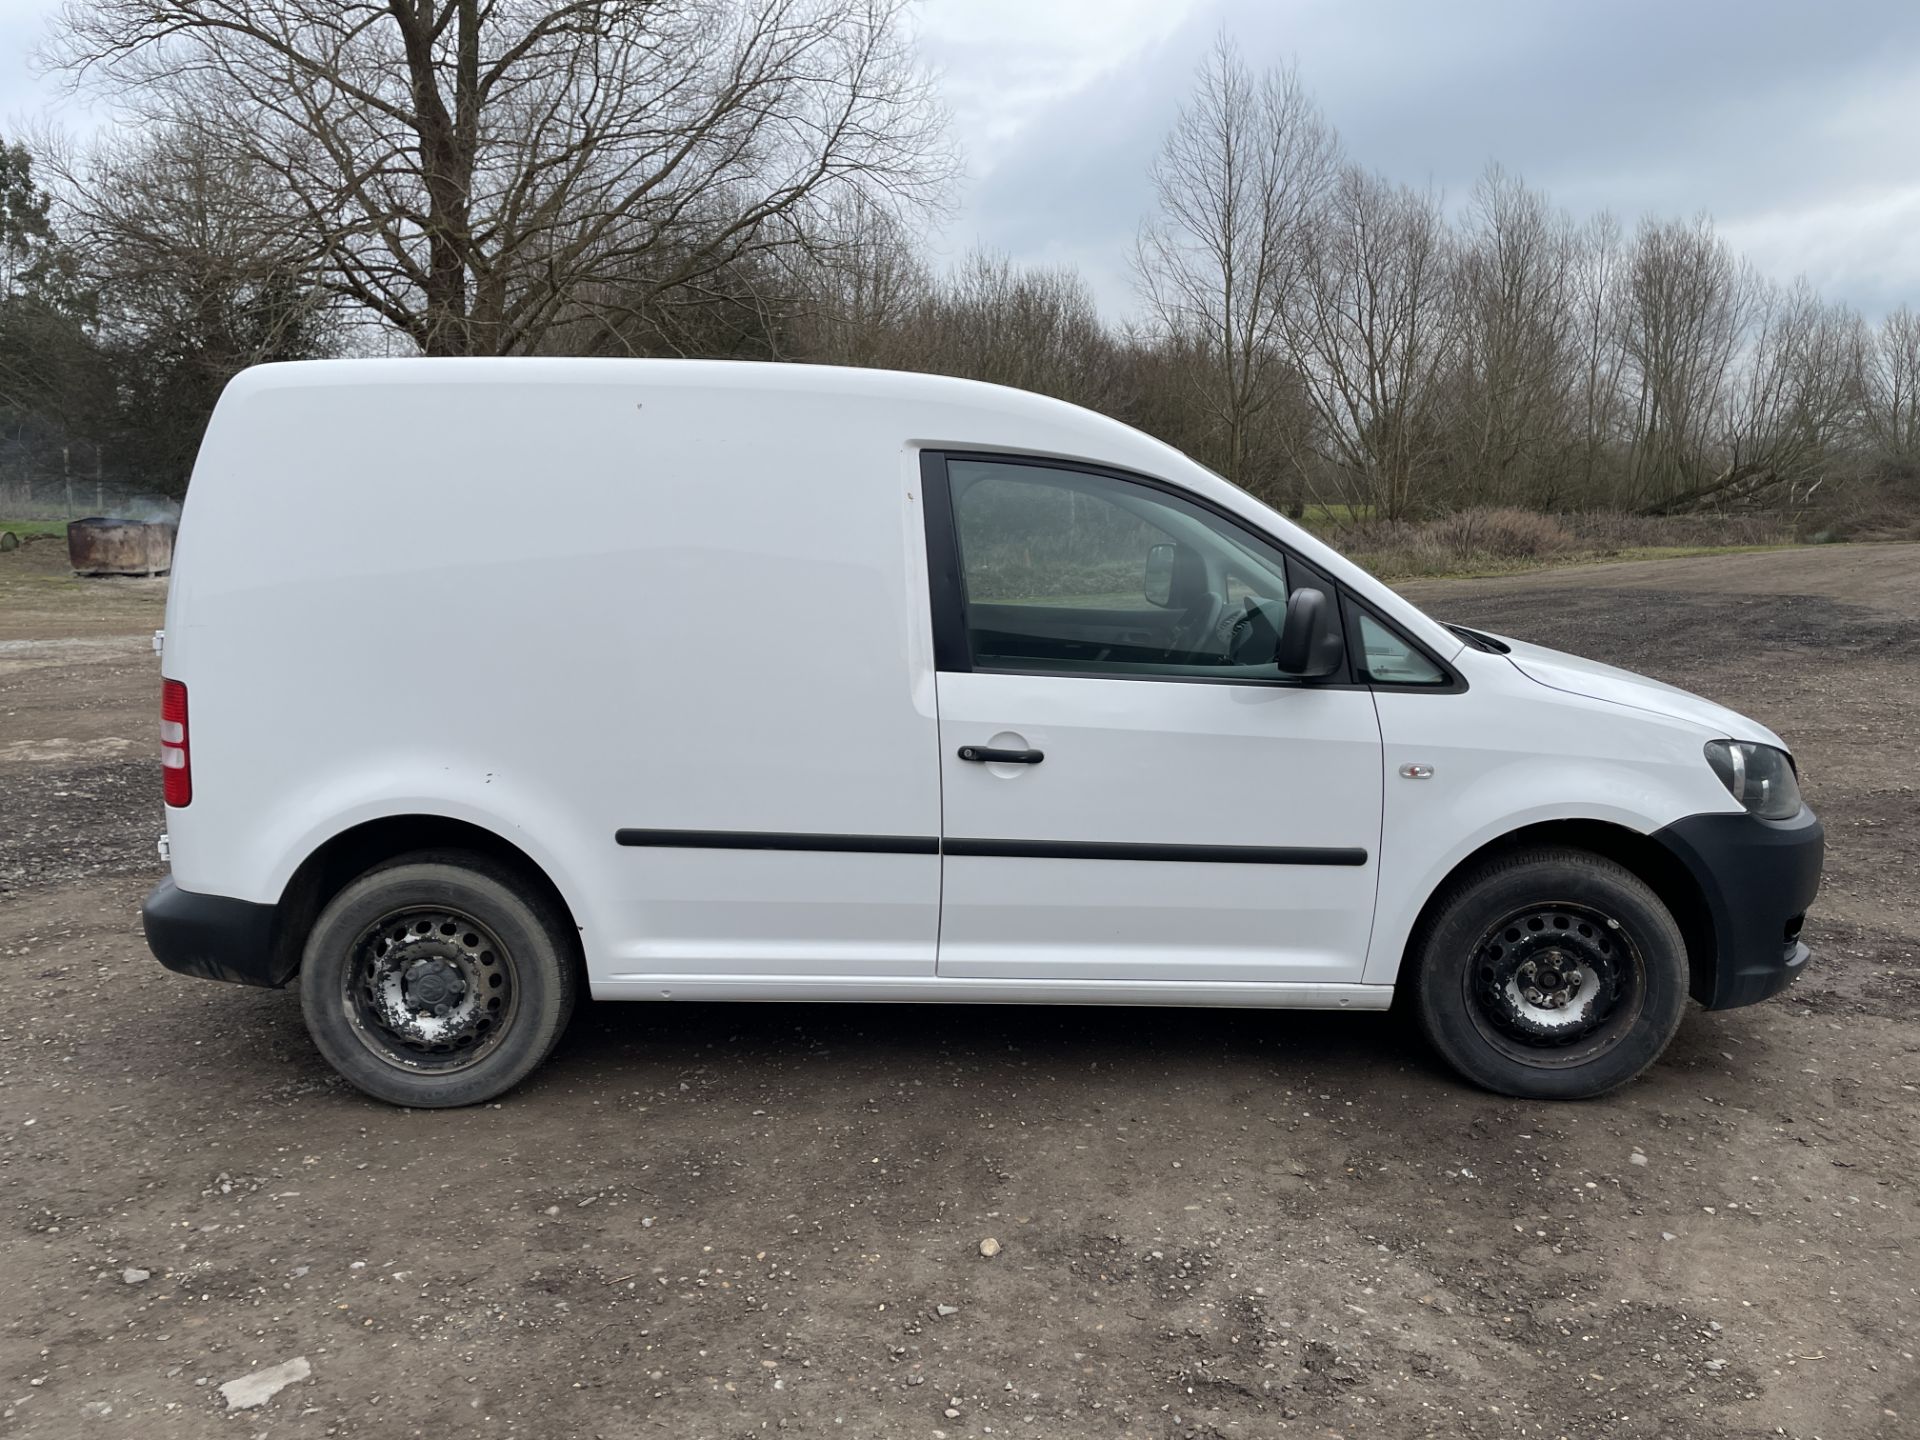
(1752, 112)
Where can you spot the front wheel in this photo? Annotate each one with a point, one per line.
(1550, 975)
(437, 980)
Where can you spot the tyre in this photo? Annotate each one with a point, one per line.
(1550, 975)
(437, 980)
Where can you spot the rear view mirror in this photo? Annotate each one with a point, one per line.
(1158, 579)
(1309, 645)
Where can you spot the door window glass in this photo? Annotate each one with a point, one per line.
(1070, 572)
(1392, 660)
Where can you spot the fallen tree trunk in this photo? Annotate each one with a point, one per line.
(1736, 485)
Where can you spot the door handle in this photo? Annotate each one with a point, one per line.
(988, 755)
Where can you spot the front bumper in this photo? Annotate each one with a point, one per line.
(216, 937)
(1757, 877)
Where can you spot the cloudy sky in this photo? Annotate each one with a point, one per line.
(1795, 124)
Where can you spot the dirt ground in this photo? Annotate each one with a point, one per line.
(736, 1221)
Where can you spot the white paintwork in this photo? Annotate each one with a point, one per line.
(1512, 752)
(967, 991)
(555, 598)
(1158, 762)
(1578, 676)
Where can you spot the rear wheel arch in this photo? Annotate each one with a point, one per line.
(360, 848)
(1642, 855)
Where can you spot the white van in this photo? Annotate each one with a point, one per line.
(490, 680)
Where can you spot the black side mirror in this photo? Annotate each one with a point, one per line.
(1309, 645)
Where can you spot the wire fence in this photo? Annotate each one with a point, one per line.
(51, 496)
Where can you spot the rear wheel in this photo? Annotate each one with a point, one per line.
(437, 980)
(1550, 974)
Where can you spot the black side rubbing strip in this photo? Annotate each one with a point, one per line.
(999, 849)
(780, 840)
(1121, 850)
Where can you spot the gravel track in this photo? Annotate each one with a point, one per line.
(735, 1221)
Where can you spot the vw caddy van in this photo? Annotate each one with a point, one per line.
(487, 683)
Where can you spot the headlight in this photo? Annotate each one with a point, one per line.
(1759, 777)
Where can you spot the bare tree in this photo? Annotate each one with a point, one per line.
(1237, 187)
(1600, 357)
(1890, 388)
(1687, 305)
(746, 178)
(1372, 334)
(1793, 396)
(855, 296)
(1518, 342)
(192, 287)
(177, 240)
(466, 169)
(1035, 328)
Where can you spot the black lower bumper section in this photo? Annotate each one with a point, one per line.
(215, 937)
(1758, 878)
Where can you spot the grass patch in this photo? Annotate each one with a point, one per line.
(24, 528)
(1334, 517)
(1682, 552)
(1398, 565)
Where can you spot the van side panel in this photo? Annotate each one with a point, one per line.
(1507, 754)
(563, 610)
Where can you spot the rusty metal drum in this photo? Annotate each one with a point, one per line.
(100, 546)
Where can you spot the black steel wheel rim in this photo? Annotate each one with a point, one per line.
(430, 989)
(1555, 984)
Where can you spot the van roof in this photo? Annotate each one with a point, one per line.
(908, 390)
(763, 376)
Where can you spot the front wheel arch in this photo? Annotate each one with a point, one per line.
(1646, 858)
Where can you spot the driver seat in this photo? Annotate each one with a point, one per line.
(1199, 607)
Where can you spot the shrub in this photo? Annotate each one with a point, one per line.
(1504, 539)
(1502, 534)
(1882, 503)
(1605, 532)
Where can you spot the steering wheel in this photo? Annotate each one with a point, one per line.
(1251, 638)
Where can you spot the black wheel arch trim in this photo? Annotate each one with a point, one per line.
(1684, 863)
(217, 937)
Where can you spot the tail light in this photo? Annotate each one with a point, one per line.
(175, 763)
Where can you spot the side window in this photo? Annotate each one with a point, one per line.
(1068, 572)
(1391, 660)
(1028, 543)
